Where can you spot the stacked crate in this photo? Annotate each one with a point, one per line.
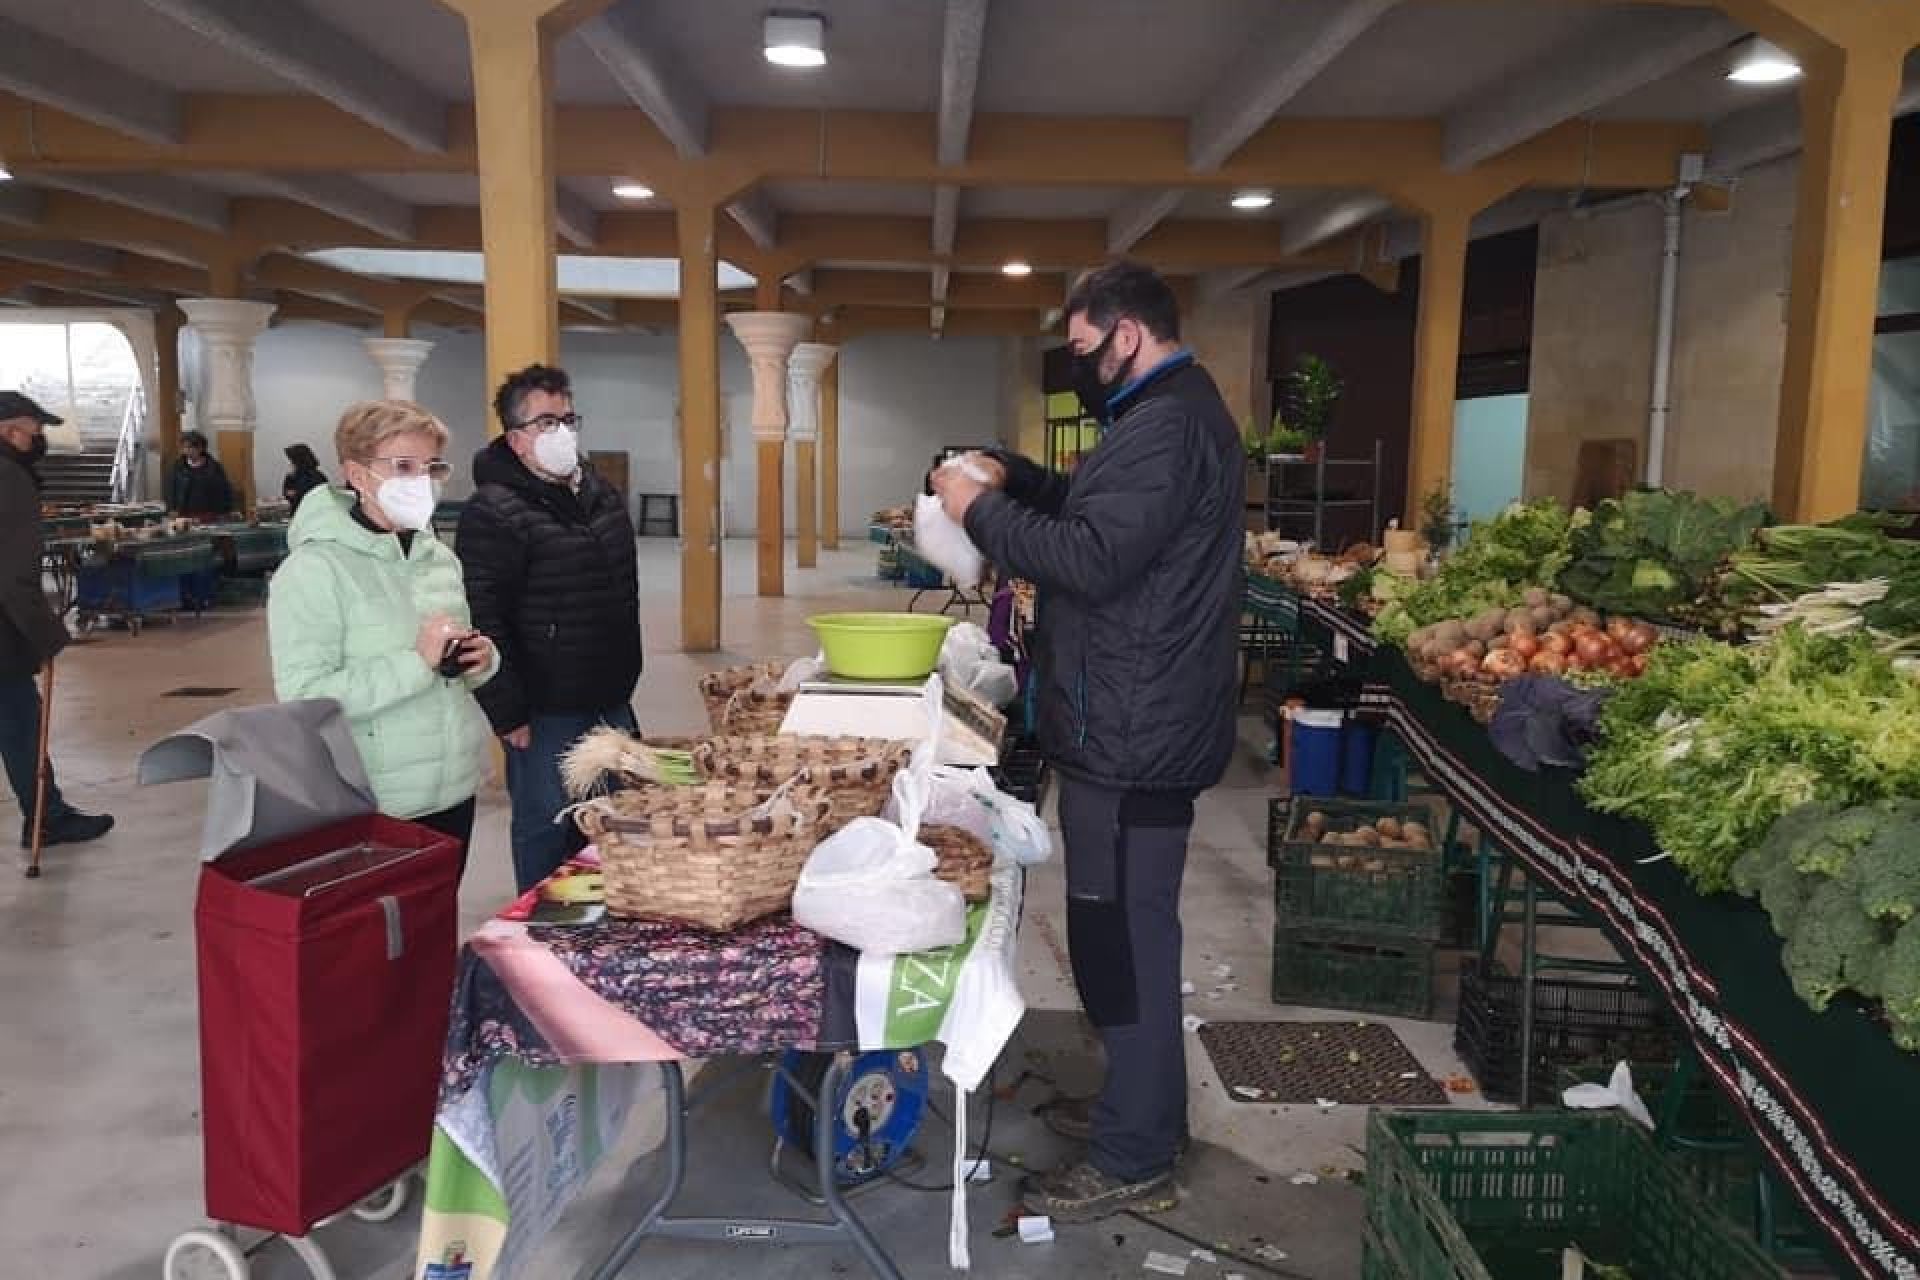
(1353, 927)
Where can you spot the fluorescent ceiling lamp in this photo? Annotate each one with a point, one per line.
(1017, 269)
(1757, 61)
(597, 277)
(1253, 200)
(628, 189)
(6, 174)
(795, 39)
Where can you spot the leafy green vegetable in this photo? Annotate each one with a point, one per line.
(1713, 744)
(1524, 546)
(1653, 552)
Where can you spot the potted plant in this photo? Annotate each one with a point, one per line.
(1436, 520)
(1255, 446)
(1311, 394)
(1285, 441)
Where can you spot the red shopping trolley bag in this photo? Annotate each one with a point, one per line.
(326, 937)
(326, 963)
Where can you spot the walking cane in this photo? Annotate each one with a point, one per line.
(40, 771)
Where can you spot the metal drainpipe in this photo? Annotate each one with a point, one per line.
(1655, 469)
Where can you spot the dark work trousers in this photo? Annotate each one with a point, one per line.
(20, 748)
(1126, 853)
(456, 824)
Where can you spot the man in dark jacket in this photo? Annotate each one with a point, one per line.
(30, 632)
(199, 489)
(1137, 561)
(552, 579)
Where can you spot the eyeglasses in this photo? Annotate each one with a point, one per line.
(412, 468)
(547, 423)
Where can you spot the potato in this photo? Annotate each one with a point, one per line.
(1517, 618)
(1544, 616)
(1560, 603)
(1450, 634)
(1316, 820)
(1389, 828)
(1535, 597)
(1365, 836)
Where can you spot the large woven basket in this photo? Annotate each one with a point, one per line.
(856, 773)
(965, 860)
(708, 855)
(743, 700)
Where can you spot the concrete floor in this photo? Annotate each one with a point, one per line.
(98, 1062)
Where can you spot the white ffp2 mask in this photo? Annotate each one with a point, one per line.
(558, 452)
(408, 501)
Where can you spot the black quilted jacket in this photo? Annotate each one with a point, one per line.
(1137, 557)
(552, 578)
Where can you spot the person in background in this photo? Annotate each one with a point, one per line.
(553, 578)
(31, 633)
(306, 475)
(368, 609)
(199, 488)
(1137, 560)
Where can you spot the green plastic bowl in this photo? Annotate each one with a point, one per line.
(881, 646)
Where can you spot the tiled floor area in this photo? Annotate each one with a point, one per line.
(98, 1057)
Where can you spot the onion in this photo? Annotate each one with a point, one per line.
(1639, 664)
(1504, 664)
(1639, 638)
(1617, 628)
(1556, 642)
(1622, 667)
(1547, 663)
(1592, 648)
(1524, 643)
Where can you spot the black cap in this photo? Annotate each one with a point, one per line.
(15, 405)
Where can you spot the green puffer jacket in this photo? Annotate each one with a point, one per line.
(342, 618)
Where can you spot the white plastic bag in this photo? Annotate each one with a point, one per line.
(801, 670)
(1617, 1092)
(993, 682)
(945, 545)
(871, 885)
(967, 798)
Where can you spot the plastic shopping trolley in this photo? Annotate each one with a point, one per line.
(326, 937)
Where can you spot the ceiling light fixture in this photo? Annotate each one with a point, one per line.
(628, 189)
(795, 39)
(6, 174)
(1253, 200)
(1017, 268)
(1757, 61)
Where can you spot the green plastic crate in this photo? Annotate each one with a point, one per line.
(1499, 1195)
(1366, 973)
(1372, 889)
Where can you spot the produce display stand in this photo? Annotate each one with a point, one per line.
(1828, 1096)
(137, 581)
(1304, 514)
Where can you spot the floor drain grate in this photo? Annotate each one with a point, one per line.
(1355, 1062)
(201, 691)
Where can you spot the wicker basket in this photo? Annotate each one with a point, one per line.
(735, 705)
(856, 773)
(964, 859)
(689, 854)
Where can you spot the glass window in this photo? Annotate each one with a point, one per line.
(1890, 476)
(85, 372)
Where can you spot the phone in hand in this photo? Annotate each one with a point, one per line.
(451, 665)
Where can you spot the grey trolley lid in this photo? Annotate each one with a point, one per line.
(277, 771)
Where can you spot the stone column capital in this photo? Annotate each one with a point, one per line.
(769, 338)
(399, 360)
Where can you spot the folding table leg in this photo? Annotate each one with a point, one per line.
(676, 1140)
(824, 1118)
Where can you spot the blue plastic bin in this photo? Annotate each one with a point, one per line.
(1314, 767)
(1356, 758)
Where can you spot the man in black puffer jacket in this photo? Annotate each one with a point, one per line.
(552, 579)
(1137, 561)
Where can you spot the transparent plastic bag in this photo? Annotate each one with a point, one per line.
(871, 885)
(945, 545)
(967, 798)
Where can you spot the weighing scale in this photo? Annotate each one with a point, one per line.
(970, 732)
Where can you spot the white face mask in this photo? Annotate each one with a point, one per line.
(408, 501)
(558, 451)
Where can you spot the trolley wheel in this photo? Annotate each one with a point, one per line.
(202, 1254)
(385, 1204)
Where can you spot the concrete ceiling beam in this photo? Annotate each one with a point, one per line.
(293, 42)
(1628, 51)
(84, 259)
(41, 69)
(1771, 130)
(630, 45)
(348, 199)
(576, 221)
(963, 34)
(1287, 56)
(21, 206)
(754, 214)
(1323, 220)
(183, 201)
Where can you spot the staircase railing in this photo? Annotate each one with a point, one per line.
(129, 477)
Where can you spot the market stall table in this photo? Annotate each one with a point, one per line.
(1829, 1096)
(559, 1009)
(135, 579)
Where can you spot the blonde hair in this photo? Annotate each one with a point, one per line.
(365, 427)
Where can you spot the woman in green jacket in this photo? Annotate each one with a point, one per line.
(369, 610)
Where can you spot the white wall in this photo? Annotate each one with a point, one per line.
(901, 398)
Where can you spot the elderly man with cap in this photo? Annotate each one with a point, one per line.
(30, 632)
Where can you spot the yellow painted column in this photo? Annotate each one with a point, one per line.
(806, 481)
(830, 456)
(511, 45)
(1846, 108)
(1436, 351)
(167, 323)
(699, 428)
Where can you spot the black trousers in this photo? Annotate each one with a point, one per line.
(455, 823)
(1126, 856)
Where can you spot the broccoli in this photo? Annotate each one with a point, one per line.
(1766, 873)
(1830, 847)
(1899, 985)
(1833, 947)
(1888, 879)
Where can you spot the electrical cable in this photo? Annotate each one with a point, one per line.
(863, 1124)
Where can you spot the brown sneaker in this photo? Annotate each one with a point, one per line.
(1081, 1193)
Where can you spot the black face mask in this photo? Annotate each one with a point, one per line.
(38, 449)
(1093, 390)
